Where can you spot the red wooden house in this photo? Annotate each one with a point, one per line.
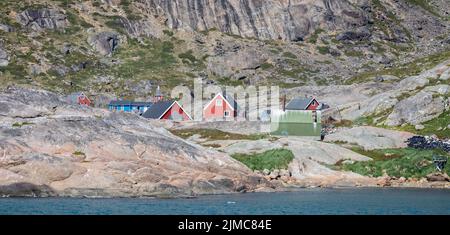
(79, 98)
(219, 107)
(170, 110)
(84, 100)
(307, 103)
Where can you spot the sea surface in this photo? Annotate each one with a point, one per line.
(319, 201)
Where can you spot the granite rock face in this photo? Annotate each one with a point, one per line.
(4, 57)
(289, 20)
(104, 43)
(417, 109)
(40, 19)
(50, 148)
(371, 138)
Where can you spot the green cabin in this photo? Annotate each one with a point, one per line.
(301, 117)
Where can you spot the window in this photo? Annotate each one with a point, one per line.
(218, 102)
(226, 114)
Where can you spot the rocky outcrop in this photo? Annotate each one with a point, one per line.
(359, 35)
(40, 19)
(140, 28)
(4, 57)
(6, 28)
(226, 62)
(413, 100)
(438, 176)
(104, 43)
(371, 138)
(289, 20)
(417, 109)
(48, 147)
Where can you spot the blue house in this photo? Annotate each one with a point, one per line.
(129, 106)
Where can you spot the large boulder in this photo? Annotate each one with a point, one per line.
(4, 57)
(105, 43)
(232, 58)
(417, 109)
(438, 176)
(358, 35)
(371, 138)
(6, 28)
(39, 19)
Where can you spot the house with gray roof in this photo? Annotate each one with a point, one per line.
(303, 103)
(169, 110)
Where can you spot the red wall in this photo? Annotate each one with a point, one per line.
(174, 110)
(313, 107)
(213, 111)
(84, 101)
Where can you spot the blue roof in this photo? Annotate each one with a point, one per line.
(129, 103)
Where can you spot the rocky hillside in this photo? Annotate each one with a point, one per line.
(419, 103)
(49, 148)
(124, 48)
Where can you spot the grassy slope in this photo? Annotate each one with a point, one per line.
(213, 134)
(272, 159)
(437, 126)
(409, 69)
(407, 162)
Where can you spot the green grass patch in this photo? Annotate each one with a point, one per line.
(79, 153)
(266, 66)
(406, 162)
(272, 159)
(323, 50)
(290, 55)
(315, 35)
(213, 134)
(21, 124)
(436, 126)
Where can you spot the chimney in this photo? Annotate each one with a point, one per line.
(158, 95)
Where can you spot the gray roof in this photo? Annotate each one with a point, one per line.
(157, 109)
(127, 102)
(299, 103)
(230, 100)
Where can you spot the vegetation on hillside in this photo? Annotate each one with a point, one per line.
(272, 159)
(409, 69)
(213, 134)
(437, 126)
(406, 162)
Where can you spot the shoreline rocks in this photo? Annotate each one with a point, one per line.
(51, 148)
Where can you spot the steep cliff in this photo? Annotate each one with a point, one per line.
(126, 48)
(291, 20)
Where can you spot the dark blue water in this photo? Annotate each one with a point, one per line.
(306, 201)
